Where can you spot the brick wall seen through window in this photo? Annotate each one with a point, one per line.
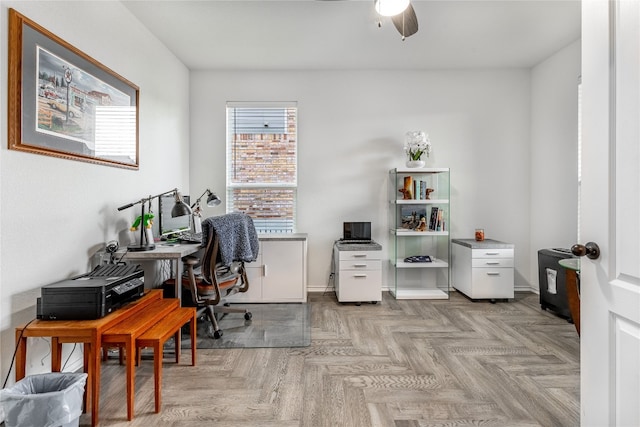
(262, 164)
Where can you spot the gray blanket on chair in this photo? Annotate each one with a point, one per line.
(237, 236)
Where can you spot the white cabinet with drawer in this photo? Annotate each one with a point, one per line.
(358, 275)
(280, 272)
(483, 270)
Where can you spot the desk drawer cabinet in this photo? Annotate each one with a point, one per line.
(483, 270)
(358, 275)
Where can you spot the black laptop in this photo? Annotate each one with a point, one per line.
(356, 232)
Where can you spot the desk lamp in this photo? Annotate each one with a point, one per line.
(179, 209)
(212, 200)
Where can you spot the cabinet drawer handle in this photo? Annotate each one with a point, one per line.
(491, 273)
(359, 265)
(359, 275)
(492, 263)
(492, 253)
(360, 255)
(264, 270)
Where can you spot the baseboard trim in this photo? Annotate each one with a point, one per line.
(387, 288)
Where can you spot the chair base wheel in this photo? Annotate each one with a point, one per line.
(217, 334)
(248, 315)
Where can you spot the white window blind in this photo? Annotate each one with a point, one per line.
(262, 173)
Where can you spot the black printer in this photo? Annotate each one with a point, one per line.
(92, 295)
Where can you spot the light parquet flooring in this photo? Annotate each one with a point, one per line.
(410, 363)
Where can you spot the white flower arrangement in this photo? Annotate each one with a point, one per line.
(416, 144)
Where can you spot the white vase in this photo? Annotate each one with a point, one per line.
(415, 163)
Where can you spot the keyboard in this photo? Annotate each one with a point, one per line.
(189, 237)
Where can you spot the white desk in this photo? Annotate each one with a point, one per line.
(165, 251)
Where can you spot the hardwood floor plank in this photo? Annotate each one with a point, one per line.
(399, 363)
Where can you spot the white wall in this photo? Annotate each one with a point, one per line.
(57, 213)
(351, 130)
(554, 153)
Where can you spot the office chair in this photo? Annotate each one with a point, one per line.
(229, 241)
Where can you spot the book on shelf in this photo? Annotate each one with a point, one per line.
(419, 189)
(437, 219)
(415, 189)
(433, 219)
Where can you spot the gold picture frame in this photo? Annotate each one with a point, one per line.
(65, 104)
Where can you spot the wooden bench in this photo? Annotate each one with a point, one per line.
(158, 334)
(124, 335)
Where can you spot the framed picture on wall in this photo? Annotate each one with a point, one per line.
(63, 103)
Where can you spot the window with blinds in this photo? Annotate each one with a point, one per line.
(262, 175)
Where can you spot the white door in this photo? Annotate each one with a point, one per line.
(610, 285)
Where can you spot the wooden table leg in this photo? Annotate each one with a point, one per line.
(177, 339)
(573, 297)
(178, 284)
(89, 385)
(56, 354)
(131, 358)
(157, 374)
(21, 355)
(94, 357)
(193, 339)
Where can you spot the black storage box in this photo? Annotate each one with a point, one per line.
(552, 275)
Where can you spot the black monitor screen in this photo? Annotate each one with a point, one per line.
(167, 224)
(357, 231)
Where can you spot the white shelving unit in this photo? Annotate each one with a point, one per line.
(419, 280)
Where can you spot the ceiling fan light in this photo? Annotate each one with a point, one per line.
(390, 7)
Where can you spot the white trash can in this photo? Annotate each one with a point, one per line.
(44, 400)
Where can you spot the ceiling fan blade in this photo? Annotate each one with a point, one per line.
(406, 22)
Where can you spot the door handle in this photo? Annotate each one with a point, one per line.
(591, 250)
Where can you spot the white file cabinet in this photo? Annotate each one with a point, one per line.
(483, 270)
(358, 272)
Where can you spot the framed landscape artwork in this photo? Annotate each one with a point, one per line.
(65, 104)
